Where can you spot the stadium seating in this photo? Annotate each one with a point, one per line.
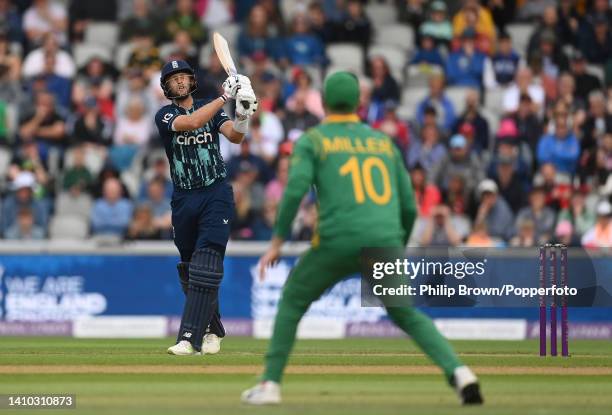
(68, 227)
(399, 35)
(104, 34)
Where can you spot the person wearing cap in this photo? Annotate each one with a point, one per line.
(438, 26)
(501, 67)
(365, 199)
(494, 211)
(600, 235)
(202, 201)
(465, 66)
(542, 216)
(585, 82)
(459, 160)
(22, 197)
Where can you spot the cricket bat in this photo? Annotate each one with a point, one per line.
(225, 57)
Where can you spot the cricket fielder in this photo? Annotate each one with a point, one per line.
(365, 200)
(202, 201)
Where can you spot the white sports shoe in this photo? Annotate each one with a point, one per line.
(211, 344)
(264, 393)
(183, 348)
(467, 387)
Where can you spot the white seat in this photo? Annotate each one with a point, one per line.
(122, 55)
(5, 161)
(68, 227)
(411, 97)
(68, 205)
(398, 35)
(456, 94)
(83, 52)
(333, 68)
(102, 33)
(346, 56)
(381, 14)
(406, 112)
(494, 99)
(395, 57)
(520, 34)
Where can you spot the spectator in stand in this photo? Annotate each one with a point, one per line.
(465, 66)
(142, 226)
(585, 82)
(303, 47)
(299, 118)
(45, 126)
(355, 26)
(412, 12)
(566, 93)
(392, 126)
(525, 236)
(549, 23)
(10, 63)
(458, 197)
(145, 56)
(185, 18)
(142, 21)
(24, 228)
(183, 48)
(275, 16)
(481, 238)
(135, 86)
(436, 99)
(510, 185)
(254, 37)
(597, 42)
(159, 204)
(90, 127)
(552, 61)
(159, 170)
(265, 135)
(542, 216)
(112, 213)
(59, 86)
(44, 17)
(578, 215)
(249, 198)
(493, 211)
(560, 148)
(263, 226)
(528, 124)
(10, 22)
(472, 117)
(461, 161)
(427, 150)
(320, 24)
(427, 195)
(78, 175)
(275, 188)
(501, 67)
(34, 62)
(427, 56)
(484, 42)
(569, 22)
(302, 81)
(600, 235)
(597, 124)
(484, 22)
(603, 160)
(26, 158)
(233, 165)
(437, 26)
(83, 12)
(210, 78)
(523, 84)
(385, 87)
(440, 230)
(23, 197)
(131, 134)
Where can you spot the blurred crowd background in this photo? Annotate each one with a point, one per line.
(501, 109)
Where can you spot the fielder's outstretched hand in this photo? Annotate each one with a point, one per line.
(270, 258)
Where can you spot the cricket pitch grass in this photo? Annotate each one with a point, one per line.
(351, 376)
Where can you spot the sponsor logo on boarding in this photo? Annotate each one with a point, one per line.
(188, 140)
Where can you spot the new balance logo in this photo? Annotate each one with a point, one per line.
(187, 335)
(225, 221)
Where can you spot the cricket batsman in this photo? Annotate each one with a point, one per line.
(202, 201)
(365, 200)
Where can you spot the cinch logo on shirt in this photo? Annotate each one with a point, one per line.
(203, 138)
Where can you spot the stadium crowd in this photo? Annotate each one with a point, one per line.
(502, 110)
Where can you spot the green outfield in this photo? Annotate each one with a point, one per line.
(353, 376)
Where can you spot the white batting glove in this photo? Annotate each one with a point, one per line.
(246, 102)
(233, 83)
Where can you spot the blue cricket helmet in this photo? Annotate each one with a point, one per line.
(172, 67)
